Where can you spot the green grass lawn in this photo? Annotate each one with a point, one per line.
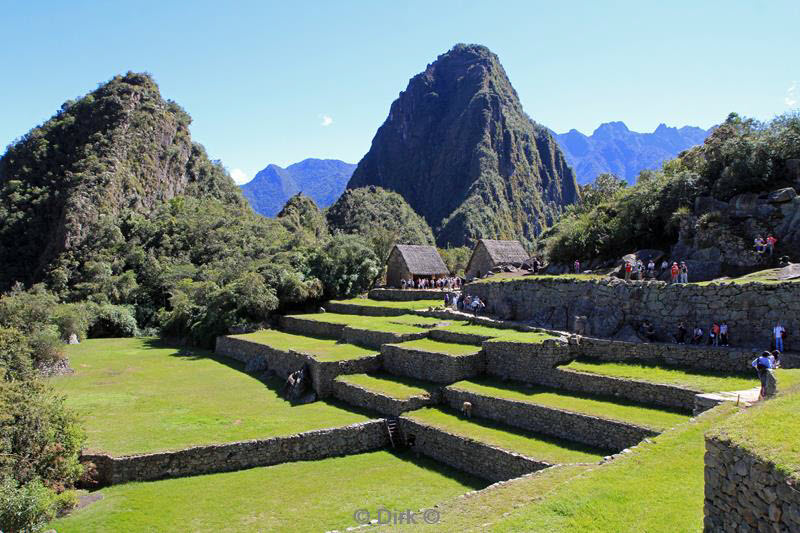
(499, 333)
(397, 387)
(412, 305)
(656, 489)
(321, 349)
(447, 348)
(704, 381)
(770, 430)
(767, 276)
(398, 324)
(536, 446)
(292, 497)
(137, 396)
(614, 409)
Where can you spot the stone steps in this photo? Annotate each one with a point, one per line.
(435, 361)
(384, 393)
(595, 421)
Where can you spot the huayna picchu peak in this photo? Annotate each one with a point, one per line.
(459, 148)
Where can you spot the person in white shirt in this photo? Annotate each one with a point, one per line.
(779, 330)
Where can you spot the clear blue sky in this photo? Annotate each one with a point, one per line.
(259, 78)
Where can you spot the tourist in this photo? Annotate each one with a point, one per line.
(651, 269)
(763, 364)
(713, 335)
(680, 337)
(697, 335)
(477, 306)
(780, 333)
(535, 266)
(577, 266)
(684, 272)
(648, 331)
(723, 333)
(771, 245)
(446, 299)
(674, 272)
(759, 244)
(664, 267)
(628, 268)
(403, 284)
(776, 359)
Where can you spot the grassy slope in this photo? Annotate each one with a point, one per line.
(581, 403)
(321, 349)
(137, 396)
(705, 381)
(769, 430)
(536, 446)
(428, 345)
(401, 324)
(302, 496)
(658, 489)
(413, 305)
(393, 386)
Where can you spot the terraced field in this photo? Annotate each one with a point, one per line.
(447, 348)
(395, 324)
(613, 409)
(527, 443)
(412, 305)
(321, 349)
(397, 387)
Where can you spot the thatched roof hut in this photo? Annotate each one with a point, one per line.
(490, 253)
(407, 261)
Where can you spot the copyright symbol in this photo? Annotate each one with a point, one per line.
(431, 516)
(361, 516)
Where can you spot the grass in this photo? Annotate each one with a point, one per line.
(412, 305)
(614, 409)
(321, 349)
(397, 387)
(658, 488)
(497, 333)
(769, 430)
(447, 348)
(302, 496)
(543, 448)
(399, 324)
(137, 396)
(703, 381)
(767, 276)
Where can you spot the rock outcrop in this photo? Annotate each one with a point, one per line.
(459, 148)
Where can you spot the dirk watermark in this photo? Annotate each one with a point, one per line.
(386, 517)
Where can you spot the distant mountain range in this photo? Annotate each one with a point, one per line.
(323, 180)
(615, 149)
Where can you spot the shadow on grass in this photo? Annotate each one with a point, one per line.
(491, 424)
(426, 463)
(527, 390)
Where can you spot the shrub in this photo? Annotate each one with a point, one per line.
(72, 319)
(15, 356)
(346, 266)
(110, 320)
(26, 507)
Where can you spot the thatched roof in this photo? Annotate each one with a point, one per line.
(422, 260)
(504, 252)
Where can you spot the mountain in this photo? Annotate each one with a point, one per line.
(120, 147)
(613, 148)
(459, 148)
(323, 180)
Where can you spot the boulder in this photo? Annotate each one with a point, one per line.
(782, 195)
(793, 169)
(707, 204)
(627, 334)
(790, 271)
(707, 254)
(73, 339)
(749, 205)
(703, 270)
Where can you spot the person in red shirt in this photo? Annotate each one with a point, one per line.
(771, 244)
(675, 271)
(628, 269)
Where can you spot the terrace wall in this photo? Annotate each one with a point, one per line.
(313, 328)
(751, 310)
(477, 458)
(284, 363)
(526, 362)
(745, 493)
(429, 366)
(406, 295)
(376, 339)
(307, 446)
(364, 310)
(387, 405)
(595, 431)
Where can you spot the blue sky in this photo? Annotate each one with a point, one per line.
(276, 82)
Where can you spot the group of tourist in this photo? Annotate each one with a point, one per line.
(437, 283)
(718, 334)
(469, 304)
(637, 270)
(765, 246)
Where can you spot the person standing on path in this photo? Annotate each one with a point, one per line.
(675, 272)
(684, 273)
(779, 332)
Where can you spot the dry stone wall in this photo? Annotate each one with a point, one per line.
(284, 363)
(313, 328)
(364, 310)
(307, 446)
(595, 431)
(382, 403)
(376, 339)
(743, 493)
(429, 366)
(406, 295)
(477, 458)
(525, 361)
(751, 310)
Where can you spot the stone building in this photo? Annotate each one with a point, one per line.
(412, 261)
(490, 253)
